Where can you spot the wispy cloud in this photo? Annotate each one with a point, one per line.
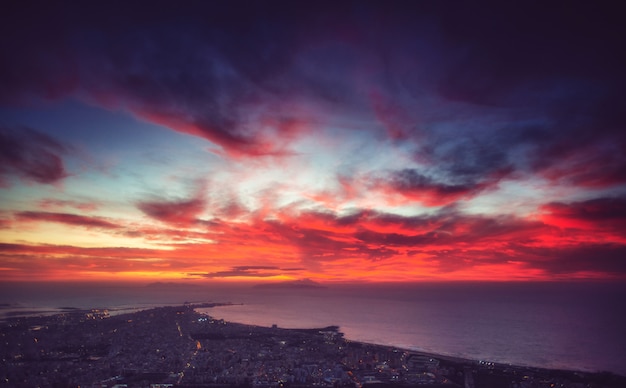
(415, 186)
(180, 211)
(67, 218)
(30, 155)
(51, 203)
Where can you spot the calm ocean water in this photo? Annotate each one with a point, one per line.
(577, 326)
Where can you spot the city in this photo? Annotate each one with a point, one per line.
(178, 347)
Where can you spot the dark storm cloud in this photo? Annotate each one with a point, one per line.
(30, 155)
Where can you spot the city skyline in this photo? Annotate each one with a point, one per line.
(275, 141)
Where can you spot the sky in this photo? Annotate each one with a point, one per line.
(345, 141)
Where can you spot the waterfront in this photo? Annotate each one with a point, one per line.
(554, 325)
(569, 326)
(177, 346)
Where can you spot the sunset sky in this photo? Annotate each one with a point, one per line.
(332, 141)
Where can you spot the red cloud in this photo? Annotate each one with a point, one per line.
(594, 214)
(449, 242)
(269, 134)
(37, 262)
(4, 223)
(445, 244)
(66, 218)
(115, 252)
(173, 212)
(176, 212)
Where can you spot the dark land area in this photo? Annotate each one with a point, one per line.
(179, 347)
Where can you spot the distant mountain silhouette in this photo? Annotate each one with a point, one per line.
(303, 283)
(170, 285)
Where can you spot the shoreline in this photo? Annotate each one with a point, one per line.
(449, 358)
(458, 357)
(473, 364)
(113, 311)
(181, 346)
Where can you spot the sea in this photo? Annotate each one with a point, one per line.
(562, 325)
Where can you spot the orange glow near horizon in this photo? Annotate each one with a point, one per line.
(320, 246)
(339, 254)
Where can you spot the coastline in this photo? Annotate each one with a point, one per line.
(180, 346)
(604, 378)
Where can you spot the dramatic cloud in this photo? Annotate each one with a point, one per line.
(446, 243)
(349, 141)
(603, 213)
(218, 75)
(191, 80)
(413, 185)
(30, 155)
